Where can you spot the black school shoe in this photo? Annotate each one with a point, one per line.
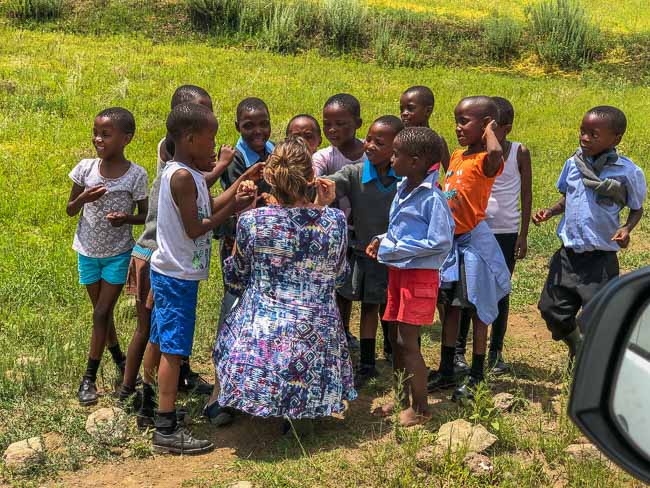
(438, 381)
(217, 415)
(461, 368)
(364, 374)
(465, 392)
(193, 383)
(87, 393)
(130, 402)
(353, 342)
(496, 365)
(180, 442)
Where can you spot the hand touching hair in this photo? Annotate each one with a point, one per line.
(289, 171)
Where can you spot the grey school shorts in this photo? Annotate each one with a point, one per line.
(368, 281)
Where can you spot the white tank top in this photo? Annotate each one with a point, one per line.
(177, 255)
(503, 214)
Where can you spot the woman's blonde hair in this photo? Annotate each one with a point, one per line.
(289, 170)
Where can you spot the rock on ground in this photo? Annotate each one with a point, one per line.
(504, 402)
(53, 442)
(242, 484)
(23, 454)
(107, 424)
(460, 434)
(584, 452)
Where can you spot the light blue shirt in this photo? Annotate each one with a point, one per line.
(370, 174)
(590, 221)
(487, 276)
(420, 227)
(251, 157)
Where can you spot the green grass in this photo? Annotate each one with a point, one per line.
(618, 17)
(52, 85)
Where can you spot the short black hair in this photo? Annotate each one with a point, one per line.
(424, 93)
(303, 116)
(614, 116)
(420, 141)
(391, 121)
(249, 104)
(346, 101)
(488, 106)
(188, 93)
(506, 111)
(187, 118)
(121, 118)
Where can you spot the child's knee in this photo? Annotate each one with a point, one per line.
(102, 316)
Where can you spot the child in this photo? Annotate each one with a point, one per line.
(416, 106)
(596, 183)
(106, 191)
(137, 282)
(370, 187)
(307, 127)
(419, 237)
(475, 275)
(253, 122)
(186, 216)
(341, 120)
(510, 227)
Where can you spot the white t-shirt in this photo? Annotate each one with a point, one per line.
(177, 255)
(503, 214)
(95, 236)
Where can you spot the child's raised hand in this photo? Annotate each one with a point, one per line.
(92, 194)
(325, 191)
(226, 153)
(373, 248)
(245, 196)
(542, 216)
(489, 129)
(269, 199)
(255, 172)
(117, 219)
(622, 237)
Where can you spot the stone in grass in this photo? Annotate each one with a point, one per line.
(107, 425)
(478, 464)
(461, 435)
(584, 452)
(242, 484)
(23, 454)
(54, 443)
(505, 402)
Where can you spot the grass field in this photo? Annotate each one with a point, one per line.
(618, 17)
(52, 85)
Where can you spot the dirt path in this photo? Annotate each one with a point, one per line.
(529, 347)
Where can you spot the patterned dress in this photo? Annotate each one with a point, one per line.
(282, 351)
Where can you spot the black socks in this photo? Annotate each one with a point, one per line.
(117, 354)
(447, 360)
(478, 362)
(367, 352)
(91, 369)
(166, 422)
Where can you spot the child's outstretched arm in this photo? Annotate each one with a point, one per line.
(226, 155)
(622, 235)
(225, 205)
(80, 196)
(494, 160)
(547, 213)
(526, 172)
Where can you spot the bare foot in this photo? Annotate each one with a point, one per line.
(385, 410)
(409, 417)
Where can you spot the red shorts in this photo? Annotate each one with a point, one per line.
(412, 296)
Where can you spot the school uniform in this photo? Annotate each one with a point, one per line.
(419, 238)
(370, 197)
(587, 259)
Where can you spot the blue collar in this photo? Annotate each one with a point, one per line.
(428, 182)
(370, 172)
(250, 156)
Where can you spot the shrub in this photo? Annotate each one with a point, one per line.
(502, 37)
(215, 13)
(281, 31)
(253, 15)
(563, 33)
(34, 9)
(343, 23)
(391, 48)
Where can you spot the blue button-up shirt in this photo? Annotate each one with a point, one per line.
(590, 221)
(420, 228)
(370, 173)
(250, 156)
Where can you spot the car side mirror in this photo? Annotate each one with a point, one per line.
(610, 396)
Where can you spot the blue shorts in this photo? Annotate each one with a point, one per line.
(113, 270)
(174, 314)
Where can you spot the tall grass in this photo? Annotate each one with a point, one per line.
(343, 23)
(34, 9)
(564, 35)
(281, 30)
(503, 36)
(215, 13)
